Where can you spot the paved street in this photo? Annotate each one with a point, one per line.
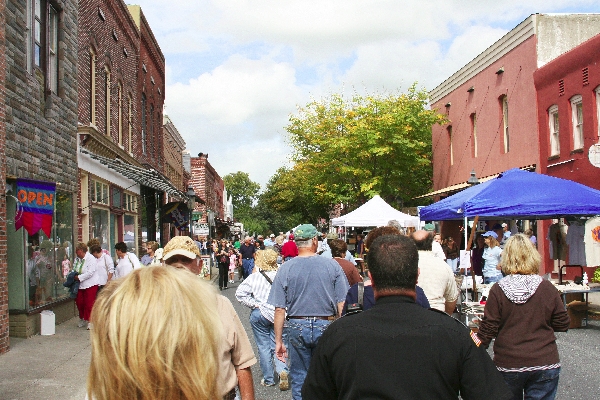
(55, 367)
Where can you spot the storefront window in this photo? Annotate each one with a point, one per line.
(100, 227)
(38, 264)
(129, 233)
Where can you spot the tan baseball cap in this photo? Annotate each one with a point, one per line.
(183, 246)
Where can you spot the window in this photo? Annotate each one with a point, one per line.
(474, 135)
(152, 129)
(143, 123)
(42, 41)
(577, 118)
(117, 197)
(120, 105)
(598, 109)
(130, 203)
(554, 136)
(107, 89)
(99, 192)
(129, 122)
(504, 101)
(93, 87)
(451, 149)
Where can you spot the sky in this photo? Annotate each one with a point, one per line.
(237, 69)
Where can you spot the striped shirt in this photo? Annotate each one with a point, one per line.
(254, 291)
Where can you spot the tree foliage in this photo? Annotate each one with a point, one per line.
(348, 150)
(243, 192)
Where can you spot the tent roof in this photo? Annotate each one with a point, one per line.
(517, 194)
(375, 212)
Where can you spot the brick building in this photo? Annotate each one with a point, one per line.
(209, 186)
(38, 115)
(568, 110)
(491, 104)
(120, 120)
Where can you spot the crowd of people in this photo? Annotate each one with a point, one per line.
(321, 328)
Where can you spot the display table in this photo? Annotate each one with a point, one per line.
(578, 289)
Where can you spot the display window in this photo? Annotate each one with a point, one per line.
(38, 264)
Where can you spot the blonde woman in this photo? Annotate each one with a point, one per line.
(156, 336)
(522, 312)
(253, 292)
(491, 258)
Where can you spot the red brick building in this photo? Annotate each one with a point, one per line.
(491, 104)
(568, 109)
(209, 186)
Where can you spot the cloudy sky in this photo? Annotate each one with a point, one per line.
(236, 69)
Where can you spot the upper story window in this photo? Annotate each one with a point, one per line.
(42, 41)
(92, 86)
(577, 119)
(504, 104)
(554, 129)
(598, 109)
(107, 90)
(144, 123)
(449, 129)
(474, 135)
(130, 122)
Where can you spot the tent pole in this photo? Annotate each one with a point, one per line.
(470, 244)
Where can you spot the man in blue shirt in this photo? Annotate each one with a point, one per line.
(312, 289)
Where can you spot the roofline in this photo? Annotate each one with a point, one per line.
(501, 47)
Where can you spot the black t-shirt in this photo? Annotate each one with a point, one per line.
(247, 251)
(399, 350)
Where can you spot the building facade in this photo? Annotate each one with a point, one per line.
(568, 109)
(209, 186)
(491, 104)
(39, 115)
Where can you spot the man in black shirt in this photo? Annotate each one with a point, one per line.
(247, 251)
(397, 349)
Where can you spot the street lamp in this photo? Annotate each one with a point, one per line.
(473, 179)
(191, 204)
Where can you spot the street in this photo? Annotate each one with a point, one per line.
(55, 367)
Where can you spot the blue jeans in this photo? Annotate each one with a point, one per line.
(452, 263)
(303, 336)
(537, 385)
(491, 279)
(264, 334)
(247, 267)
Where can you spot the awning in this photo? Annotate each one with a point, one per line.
(146, 177)
(461, 186)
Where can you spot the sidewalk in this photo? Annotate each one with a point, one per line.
(47, 367)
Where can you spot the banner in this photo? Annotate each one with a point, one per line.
(35, 205)
(177, 214)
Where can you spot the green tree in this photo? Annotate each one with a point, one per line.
(243, 192)
(348, 150)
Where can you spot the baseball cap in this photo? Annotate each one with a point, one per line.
(429, 227)
(504, 225)
(490, 233)
(181, 245)
(306, 231)
(272, 235)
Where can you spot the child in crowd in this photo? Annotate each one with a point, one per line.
(232, 264)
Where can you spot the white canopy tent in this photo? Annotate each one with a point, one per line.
(375, 212)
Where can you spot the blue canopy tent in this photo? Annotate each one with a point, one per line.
(517, 194)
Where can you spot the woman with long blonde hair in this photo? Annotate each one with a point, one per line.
(156, 335)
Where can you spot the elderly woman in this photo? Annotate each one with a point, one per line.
(253, 292)
(156, 336)
(338, 251)
(522, 312)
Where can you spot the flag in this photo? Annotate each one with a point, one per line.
(35, 205)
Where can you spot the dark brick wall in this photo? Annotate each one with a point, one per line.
(4, 340)
(209, 185)
(37, 129)
(107, 27)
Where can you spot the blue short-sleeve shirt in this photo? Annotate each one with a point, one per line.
(309, 287)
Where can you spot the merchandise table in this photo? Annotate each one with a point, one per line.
(573, 289)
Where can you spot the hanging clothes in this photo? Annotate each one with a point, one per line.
(592, 242)
(558, 243)
(574, 239)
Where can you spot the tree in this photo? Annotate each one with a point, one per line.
(346, 151)
(243, 192)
